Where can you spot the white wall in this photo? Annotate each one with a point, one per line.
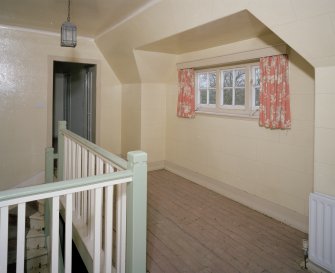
(276, 165)
(324, 164)
(24, 106)
(153, 122)
(155, 69)
(307, 26)
(131, 118)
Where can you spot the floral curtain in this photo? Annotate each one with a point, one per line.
(186, 94)
(274, 109)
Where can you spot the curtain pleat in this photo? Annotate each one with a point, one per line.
(274, 109)
(186, 94)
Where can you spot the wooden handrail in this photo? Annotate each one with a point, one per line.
(27, 194)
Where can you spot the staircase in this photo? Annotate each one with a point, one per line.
(36, 252)
(92, 183)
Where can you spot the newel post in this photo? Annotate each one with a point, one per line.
(60, 151)
(137, 213)
(49, 178)
(49, 165)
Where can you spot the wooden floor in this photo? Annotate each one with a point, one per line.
(195, 230)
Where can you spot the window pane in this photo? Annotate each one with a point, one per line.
(212, 80)
(203, 96)
(240, 78)
(257, 79)
(212, 96)
(227, 79)
(239, 96)
(227, 96)
(257, 96)
(202, 80)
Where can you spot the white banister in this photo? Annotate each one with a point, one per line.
(123, 226)
(78, 175)
(3, 238)
(73, 159)
(21, 196)
(84, 161)
(66, 158)
(120, 231)
(21, 217)
(97, 231)
(55, 234)
(93, 200)
(99, 165)
(68, 234)
(109, 192)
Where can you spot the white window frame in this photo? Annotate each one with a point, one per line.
(247, 110)
(253, 84)
(198, 95)
(233, 106)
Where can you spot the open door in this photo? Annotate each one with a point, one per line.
(74, 98)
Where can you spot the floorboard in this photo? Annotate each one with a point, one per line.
(194, 230)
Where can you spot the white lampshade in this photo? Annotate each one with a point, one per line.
(68, 35)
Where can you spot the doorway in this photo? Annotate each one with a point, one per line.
(74, 99)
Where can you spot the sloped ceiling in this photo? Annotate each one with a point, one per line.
(92, 17)
(230, 29)
(307, 26)
(119, 27)
(119, 44)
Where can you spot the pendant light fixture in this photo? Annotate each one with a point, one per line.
(68, 32)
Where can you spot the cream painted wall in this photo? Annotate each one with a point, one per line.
(324, 163)
(24, 96)
(272, 164)
(131, 118)
(155, 69)
(23, 100)
(144, 119)
(307, 26)
(153, 121)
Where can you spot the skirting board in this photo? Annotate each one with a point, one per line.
(157, 165)
(280, 213)
(35, 180)
(312, 267)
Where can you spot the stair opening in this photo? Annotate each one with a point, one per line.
(77, 262)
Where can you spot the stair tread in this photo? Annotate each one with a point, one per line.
(37, 215)
(33, 253)
(35, 233)
(43, 268)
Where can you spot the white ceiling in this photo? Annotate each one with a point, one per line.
(233, 28)
(92, 17)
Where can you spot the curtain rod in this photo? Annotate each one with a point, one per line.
(241, 55)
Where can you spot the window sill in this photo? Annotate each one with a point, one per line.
(252, 115)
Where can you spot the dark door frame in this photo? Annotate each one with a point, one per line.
(51, 60)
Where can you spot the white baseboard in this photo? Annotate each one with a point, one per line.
(280, 213)
(35, 180)
(157, 165)
(314, 268)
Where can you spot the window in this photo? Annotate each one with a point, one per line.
(232, 90)
(207, 88)
(256, 83)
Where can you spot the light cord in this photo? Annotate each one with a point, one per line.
(68, 12)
